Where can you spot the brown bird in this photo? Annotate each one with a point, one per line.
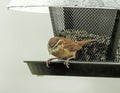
(63, 48)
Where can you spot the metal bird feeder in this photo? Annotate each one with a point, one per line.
(82, 20)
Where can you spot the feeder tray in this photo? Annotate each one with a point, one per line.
(88, 69)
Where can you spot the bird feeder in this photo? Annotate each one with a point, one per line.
(81, 20)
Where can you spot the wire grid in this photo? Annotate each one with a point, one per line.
(85, 23)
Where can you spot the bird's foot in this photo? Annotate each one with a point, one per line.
(48, 62)
(66, 62)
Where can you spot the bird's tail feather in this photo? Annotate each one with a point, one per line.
(85, 41)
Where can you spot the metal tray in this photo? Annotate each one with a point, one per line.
(89, 69)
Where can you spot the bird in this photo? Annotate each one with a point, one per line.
(64, 48)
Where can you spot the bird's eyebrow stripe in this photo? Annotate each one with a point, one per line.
(57, 43)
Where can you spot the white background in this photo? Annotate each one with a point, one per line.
(24, 36)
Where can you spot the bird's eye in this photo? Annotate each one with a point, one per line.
(55, 47)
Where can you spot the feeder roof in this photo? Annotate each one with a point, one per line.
(106, 4)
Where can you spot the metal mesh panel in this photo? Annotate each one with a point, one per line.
(82, 24)
(57, 17)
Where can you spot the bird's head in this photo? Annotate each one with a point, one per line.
(54, 44)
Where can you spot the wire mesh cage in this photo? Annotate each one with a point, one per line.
(89, 23)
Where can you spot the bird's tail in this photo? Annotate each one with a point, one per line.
(83, 42)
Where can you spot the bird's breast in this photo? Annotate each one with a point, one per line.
(57, 52)
(60, 52)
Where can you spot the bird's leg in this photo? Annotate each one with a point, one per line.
(66, 62)
(49, 61)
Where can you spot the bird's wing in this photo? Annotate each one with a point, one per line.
(71, 46)
(74, 46)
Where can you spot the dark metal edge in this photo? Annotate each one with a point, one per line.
(76, 69)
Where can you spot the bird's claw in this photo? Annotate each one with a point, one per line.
(48, 62)
(66, 62)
